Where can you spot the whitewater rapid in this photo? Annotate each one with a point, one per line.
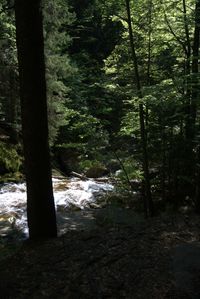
(69, 194)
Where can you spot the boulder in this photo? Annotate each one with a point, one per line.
(67, 160)
(96, 171)
(113, 165)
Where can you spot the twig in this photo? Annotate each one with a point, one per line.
(174, 34)
(124, 170)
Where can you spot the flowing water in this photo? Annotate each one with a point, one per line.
(72, 197)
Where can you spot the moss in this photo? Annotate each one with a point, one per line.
(87, 164)
(10, 160)
(15, 177)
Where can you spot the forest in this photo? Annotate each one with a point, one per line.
(103, 90)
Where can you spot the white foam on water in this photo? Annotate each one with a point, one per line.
(67, 194)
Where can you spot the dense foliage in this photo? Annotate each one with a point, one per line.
(93, 99)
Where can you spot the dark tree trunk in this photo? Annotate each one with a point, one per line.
(197, 181)
(148, 203)
(187, 71)
(30, 46)
(150, 4)
(193, 84)
(195, 62)
(187, 37)
(195, 97)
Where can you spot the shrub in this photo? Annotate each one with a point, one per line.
(10, 161)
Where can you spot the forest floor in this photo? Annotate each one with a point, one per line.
(157, 258)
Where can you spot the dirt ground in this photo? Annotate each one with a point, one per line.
(157, 258)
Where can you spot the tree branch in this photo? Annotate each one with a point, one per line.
(174, 34)
(121, 18)
(187, 33)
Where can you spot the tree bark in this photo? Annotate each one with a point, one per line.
(195, 71)
(193, 81)
(194, 99)
(187, 87)
(30, 46)
(187, 35)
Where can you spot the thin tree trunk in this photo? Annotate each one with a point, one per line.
(30, 46)
(149, 42)
(150, 3)
(197, 181)
(163, 170)
(169, 164)
(187, 35)
(195, 61)
(195, 96)
(187, 71)
(148, 203)
(192, 90)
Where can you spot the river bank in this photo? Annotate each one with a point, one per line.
(145, 259)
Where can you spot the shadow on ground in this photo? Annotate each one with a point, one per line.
(109, 253)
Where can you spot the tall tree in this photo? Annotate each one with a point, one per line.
(148, 203)
(195, 68)
(30, 46)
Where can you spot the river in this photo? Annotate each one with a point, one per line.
(73, 197)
